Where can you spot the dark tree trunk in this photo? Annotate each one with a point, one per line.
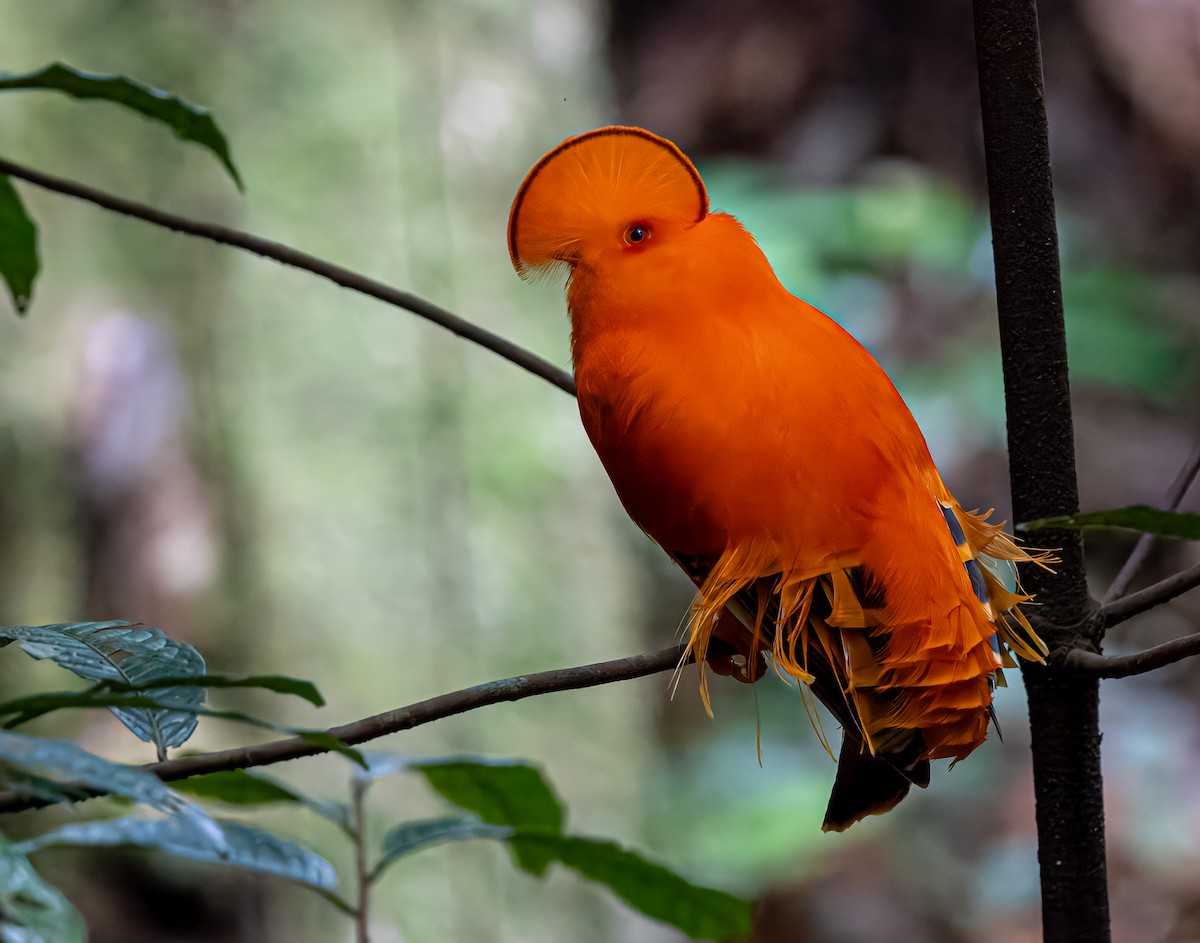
(1063, 710)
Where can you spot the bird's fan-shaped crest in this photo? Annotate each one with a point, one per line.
(597, 182)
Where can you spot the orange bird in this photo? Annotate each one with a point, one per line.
(769, 455)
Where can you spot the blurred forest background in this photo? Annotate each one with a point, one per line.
(300, 480)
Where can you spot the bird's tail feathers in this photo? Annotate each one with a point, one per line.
(905, 690)
(882, 671)
(865, 785)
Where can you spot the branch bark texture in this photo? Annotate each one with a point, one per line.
(1063, 707)
(1126, 666)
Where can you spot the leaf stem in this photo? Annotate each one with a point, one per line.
(363, 877)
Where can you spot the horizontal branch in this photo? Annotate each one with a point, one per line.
(1124, 666)
(1154, 595)
(404, 718)
(285, 255)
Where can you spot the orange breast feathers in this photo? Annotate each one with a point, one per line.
(766, 451)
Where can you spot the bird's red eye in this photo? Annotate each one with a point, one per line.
(636, 234)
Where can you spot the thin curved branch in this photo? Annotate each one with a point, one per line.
(1151, 596)
(1141, 550)
(285, 255)
(1124, 666)
(404, 718)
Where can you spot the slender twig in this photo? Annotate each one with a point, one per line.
(286, 255)
(1141, 550)
(404, 718)
(1124, 666)
(1151, 596)
(357, 831)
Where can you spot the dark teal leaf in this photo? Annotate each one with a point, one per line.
(231, 844)
(189, 122)
(700, 912)
(18, 246)
(32, 706)
(21, 710)
(1138, 517)
(408, 837)
(32, 911)
(25, 709)
(39, 788)
(61, 761)
(129, 654)
(278, 684)
(501, 792)
(116, 694)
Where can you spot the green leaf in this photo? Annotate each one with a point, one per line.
(501, 792)
(232, 844)
(126, 700)
(62, 761)
(128, 654)
(701, 912)
(514, 795)
(189, 122)
(43, 790)
(24, 709)
(408, 837)
(277, 684)
(32, 911)
(32, 706)
(238, 787)
(1139, 517)
(18, 246)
